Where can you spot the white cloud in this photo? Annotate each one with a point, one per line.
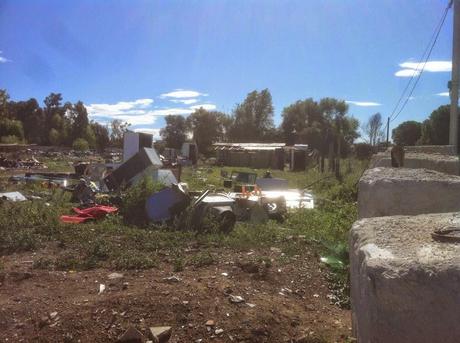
(3, 59)
(208, 107)
(152, 131)
(182, 93)
(443, 94)
(125, 107)
(363, 103)
(410, 69)
(140, 111)
(407, 73)
(185, 101)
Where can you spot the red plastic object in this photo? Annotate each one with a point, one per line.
(89, 213)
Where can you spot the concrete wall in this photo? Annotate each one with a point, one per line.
(393, 191)
(431, 149)
(448, 164)
(404, 286)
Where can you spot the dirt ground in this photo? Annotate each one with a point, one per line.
(284, 302)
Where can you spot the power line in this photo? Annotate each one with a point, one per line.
(418, 71)
(424, 63)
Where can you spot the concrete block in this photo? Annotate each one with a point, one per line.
(448, 164)
(393, 191)
(404, 285)
(431, 149)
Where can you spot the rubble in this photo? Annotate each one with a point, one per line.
(132, 335)
(160, 334)
(12, 196)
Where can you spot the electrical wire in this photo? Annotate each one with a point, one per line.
(419, 71)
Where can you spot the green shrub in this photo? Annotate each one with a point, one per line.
(363, 151)
(133, 208)
(10, 139)
(80, 144)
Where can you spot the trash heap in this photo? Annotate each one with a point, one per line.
(99, 189)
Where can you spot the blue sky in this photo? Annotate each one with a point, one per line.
(141, 60)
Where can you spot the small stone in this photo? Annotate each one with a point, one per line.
(236, 299)
(53, 315)
(125, 285)
(160, 334)
(219, 331)
(114, 276)
(210, 322)
(132, 335)
(172, 279)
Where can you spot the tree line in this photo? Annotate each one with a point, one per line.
(432, 131)
(55, 123)
(324, 125)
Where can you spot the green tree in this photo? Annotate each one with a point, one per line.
(80, 144)
(78, 118)
(4, 97)
(301, 121)
(435, 130)
(174, 133)
(31, 115)
(54, 137)
(407, 133)
(55, 118)
(253, 118)
(207, 127)
(11, 127)
(101, 134)
(117, 130)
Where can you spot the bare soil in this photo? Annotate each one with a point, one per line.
(284, 302)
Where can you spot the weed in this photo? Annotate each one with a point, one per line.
(133, 260)
(133, 209)
(178, 263)
(202, 259)
(43, 263)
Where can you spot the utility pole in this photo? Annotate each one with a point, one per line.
(453, 130)
(388, 132)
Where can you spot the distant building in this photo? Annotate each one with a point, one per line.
(263, 155)
(252, 155)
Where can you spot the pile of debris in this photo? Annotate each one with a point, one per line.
(99, 189)
(20, 163)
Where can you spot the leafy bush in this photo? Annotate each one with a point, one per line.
(363, 151)
(133, 208)
(11, 139)
(80, 144)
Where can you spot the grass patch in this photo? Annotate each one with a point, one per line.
(127, 241)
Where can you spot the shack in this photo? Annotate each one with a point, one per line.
(252, 155)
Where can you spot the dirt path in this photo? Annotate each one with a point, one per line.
(282, 303)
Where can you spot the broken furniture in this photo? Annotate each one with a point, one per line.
(134, 142)
(240, 179)
(143, 163)
(167, 203)
(174, 202)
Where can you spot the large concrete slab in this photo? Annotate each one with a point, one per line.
(405, 286)
(432, 149)
(393, 191)
(444, 163)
